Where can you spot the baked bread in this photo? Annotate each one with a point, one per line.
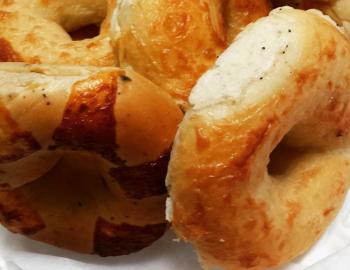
(338, 10)
(261, 162)
(38, 32)
(109, 132)
(132, 158)
(173, 43)
(70, 15)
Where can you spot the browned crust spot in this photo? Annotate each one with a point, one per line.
(5, 187)
(294, 209)
(16, 214)
(251, 260)
(88, 120)
(14, 142)
(7, 2)
(306, 76)
(45, 2)
(7, 53)
(143, 181)
(328, 211)
(22, 144)
(116, 240)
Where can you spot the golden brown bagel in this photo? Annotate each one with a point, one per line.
(286, 89)
(37, 32)
(173, 42)
(71, 15)
(109, 132)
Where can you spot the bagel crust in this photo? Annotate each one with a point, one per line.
(338, 10)
(38, 33)
(283, 92)
(70, 207)
(173, 43)
(74, 173)
(71, 15)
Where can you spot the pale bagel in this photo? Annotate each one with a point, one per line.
(283, 85)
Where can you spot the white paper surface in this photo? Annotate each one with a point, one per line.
(20, 253)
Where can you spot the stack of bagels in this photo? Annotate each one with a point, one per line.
(119, 118)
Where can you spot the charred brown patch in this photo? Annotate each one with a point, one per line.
(328, 211)
(16, 214)
(123, 239)
(7, 53)
(18, 146)
(88, 121)
(14, 142)
(5, 187)
(143, 181)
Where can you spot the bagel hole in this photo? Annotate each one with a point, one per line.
(85, 32)
(283, 158)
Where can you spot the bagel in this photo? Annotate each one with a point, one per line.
(178, 40)
(109, 132)
(69, 15)
(37, 32)
(339, 10)
(260, 163)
